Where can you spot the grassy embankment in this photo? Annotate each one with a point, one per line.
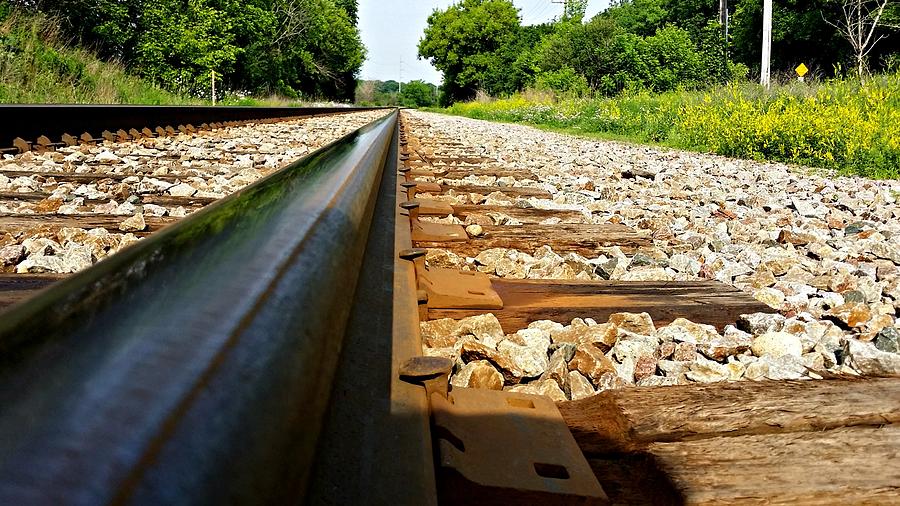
(845, 126)
(37, 67)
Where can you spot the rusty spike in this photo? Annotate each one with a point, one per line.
(410, 189)
(431, 372)
(21, 144)
(69, 140)
(413, 208)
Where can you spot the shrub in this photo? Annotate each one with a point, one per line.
(564, 81)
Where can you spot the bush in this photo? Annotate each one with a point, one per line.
(564, 81)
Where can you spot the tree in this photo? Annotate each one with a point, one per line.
(287, 46)
(365, 92)
(475, 44)
(859, 25)
(573, 10)
(418, 93)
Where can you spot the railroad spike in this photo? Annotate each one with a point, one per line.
(69, 140)
(433, 373)
(21, 144)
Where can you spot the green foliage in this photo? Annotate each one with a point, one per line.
(418, 94)
(573, 10)
(308, 47)
(640, 17)
(35, 67)
(850, 127)
(179, 48)
(564, 81)
(612, 60)
(475, 44)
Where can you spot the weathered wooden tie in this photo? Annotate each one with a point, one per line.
(785, 442)
(585, 239)
(528, 300)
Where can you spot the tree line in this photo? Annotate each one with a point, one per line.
(658, 45)
(416, 93)
(289, 47)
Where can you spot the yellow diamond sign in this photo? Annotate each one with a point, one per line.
(801, 70)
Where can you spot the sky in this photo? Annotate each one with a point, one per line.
(391, 30)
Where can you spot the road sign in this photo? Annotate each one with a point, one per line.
(801, 70)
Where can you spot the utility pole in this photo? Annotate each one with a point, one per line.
(766, 44)
(400, 79)
(213, 75)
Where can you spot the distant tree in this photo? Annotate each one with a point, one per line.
(573, 10)
(365, 92)
(417, 94)
(640, 17)
(389, 86)
(475, 44)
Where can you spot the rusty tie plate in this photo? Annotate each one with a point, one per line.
(503, 448)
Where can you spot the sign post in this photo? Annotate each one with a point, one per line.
(766, 43)
(801, 71)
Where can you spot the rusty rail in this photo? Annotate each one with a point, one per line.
(198, 365)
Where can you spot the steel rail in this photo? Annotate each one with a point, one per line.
(32, 121)
(196, 366)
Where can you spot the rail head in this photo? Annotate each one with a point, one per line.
(194, 366)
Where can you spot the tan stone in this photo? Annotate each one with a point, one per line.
(639, 323)
(478, 374)
(591, 362)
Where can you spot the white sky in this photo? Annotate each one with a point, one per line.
(391, 31)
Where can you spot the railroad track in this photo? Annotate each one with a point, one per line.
(266, 347)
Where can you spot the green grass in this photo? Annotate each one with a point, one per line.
(35, 67)
(839, 125)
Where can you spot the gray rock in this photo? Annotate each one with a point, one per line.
(777, 344)
(530, 360)
(707, 371)
(869, 360)
(785, 367)
(657, 381)
(12, 254)
(760, 323)
(888, 340)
